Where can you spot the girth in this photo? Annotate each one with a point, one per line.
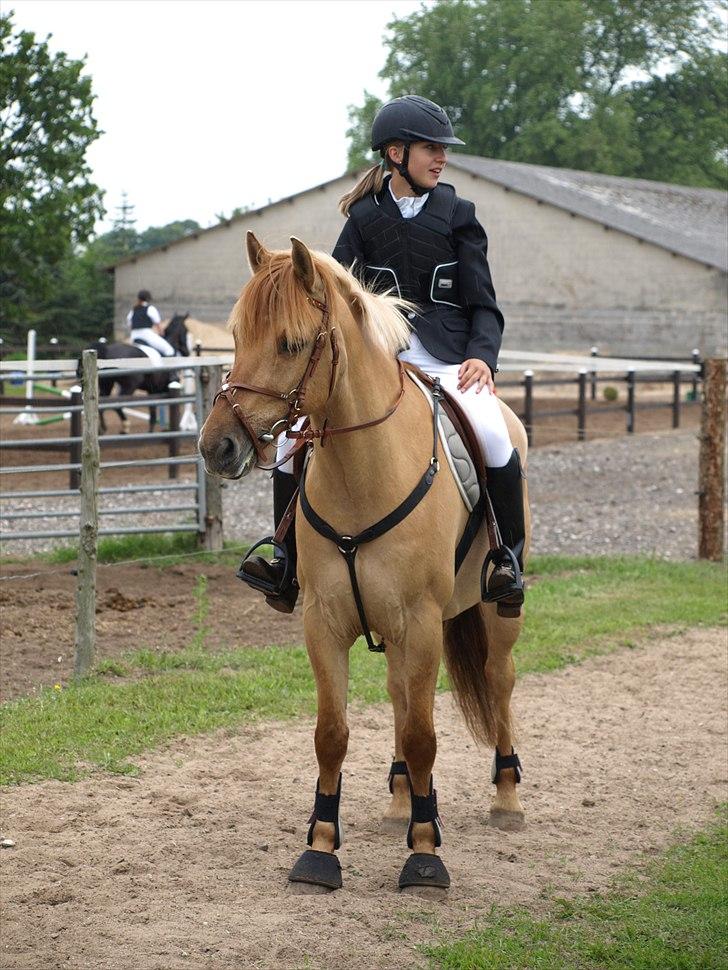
(348, 546)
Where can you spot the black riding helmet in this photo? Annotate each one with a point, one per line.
(409, 119)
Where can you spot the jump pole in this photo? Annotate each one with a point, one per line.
(28, 416)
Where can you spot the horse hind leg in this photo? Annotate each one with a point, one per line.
(318, 869)
(506, 811)
(478, 648)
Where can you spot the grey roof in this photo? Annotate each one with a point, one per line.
(688, 221)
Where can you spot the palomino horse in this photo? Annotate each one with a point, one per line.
(304, 322)
(153, 382)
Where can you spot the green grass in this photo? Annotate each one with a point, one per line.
(166, 549)
(673, 917)
(577, 607)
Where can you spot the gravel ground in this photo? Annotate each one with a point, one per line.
(628, 494)
(618, 495)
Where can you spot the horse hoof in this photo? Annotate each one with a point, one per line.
(307, 889)
(425, 892)
(424, 870)
(507, 821)
(318, 871)
(394, 826)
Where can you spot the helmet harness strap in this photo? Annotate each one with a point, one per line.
(403, 170)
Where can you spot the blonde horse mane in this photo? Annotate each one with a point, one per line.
(276, 298)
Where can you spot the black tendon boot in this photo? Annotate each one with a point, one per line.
(277, 577)
(505, 488)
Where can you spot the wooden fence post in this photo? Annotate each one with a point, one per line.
(581, 410)
(630, 401)
(211, 378)
(676, 398)
(74, 431)
(696, 377)
(89, 520)
(594, 352)
(711, 483)
(528, 404)
(173, 391)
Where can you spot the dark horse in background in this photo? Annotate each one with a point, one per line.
(153, 382)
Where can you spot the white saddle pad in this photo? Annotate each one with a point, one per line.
(151, 353)
(456, 454)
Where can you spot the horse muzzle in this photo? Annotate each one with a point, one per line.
(227, 455)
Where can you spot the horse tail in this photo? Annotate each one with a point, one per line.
(466, 650)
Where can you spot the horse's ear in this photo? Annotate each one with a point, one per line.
(257, 253)
(303, 265)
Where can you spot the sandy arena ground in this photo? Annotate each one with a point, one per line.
(185, 866)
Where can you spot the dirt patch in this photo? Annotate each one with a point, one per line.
(185, 866)
(137, 607)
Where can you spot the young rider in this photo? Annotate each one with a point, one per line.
(408, 233)
(145, 324)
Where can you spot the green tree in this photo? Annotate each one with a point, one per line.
(48, 202)
(360, 119)
(682, 135)
(160, 235)
(556, 83)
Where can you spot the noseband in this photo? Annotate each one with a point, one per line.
(295, 399)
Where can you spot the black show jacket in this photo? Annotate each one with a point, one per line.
(377, 235)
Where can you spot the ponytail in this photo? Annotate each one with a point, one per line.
(371, 181)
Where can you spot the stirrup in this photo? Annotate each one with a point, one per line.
(255, 582)
(513, 591)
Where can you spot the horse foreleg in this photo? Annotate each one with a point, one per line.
(506, 811)
(329, 656)
(419, 744)
(397, 814)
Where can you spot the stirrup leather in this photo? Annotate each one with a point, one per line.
(501, 556)
(255, 582)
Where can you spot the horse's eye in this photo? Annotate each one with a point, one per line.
(286, 347)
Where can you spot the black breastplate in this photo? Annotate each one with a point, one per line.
(415, 258)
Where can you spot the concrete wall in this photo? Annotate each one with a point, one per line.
(564, 282)
(205, 274)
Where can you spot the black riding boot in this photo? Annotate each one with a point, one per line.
(505, 488)
(272, 573)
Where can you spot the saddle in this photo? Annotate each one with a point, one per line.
(151, 352)
(465, 456)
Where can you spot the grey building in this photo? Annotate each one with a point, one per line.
(578, 258)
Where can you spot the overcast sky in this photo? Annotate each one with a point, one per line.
(211, 105)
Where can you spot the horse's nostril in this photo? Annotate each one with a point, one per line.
(226, 450)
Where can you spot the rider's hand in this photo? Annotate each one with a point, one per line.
(474, 371)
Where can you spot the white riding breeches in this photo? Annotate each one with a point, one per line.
(482, 409)
(154, 339)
